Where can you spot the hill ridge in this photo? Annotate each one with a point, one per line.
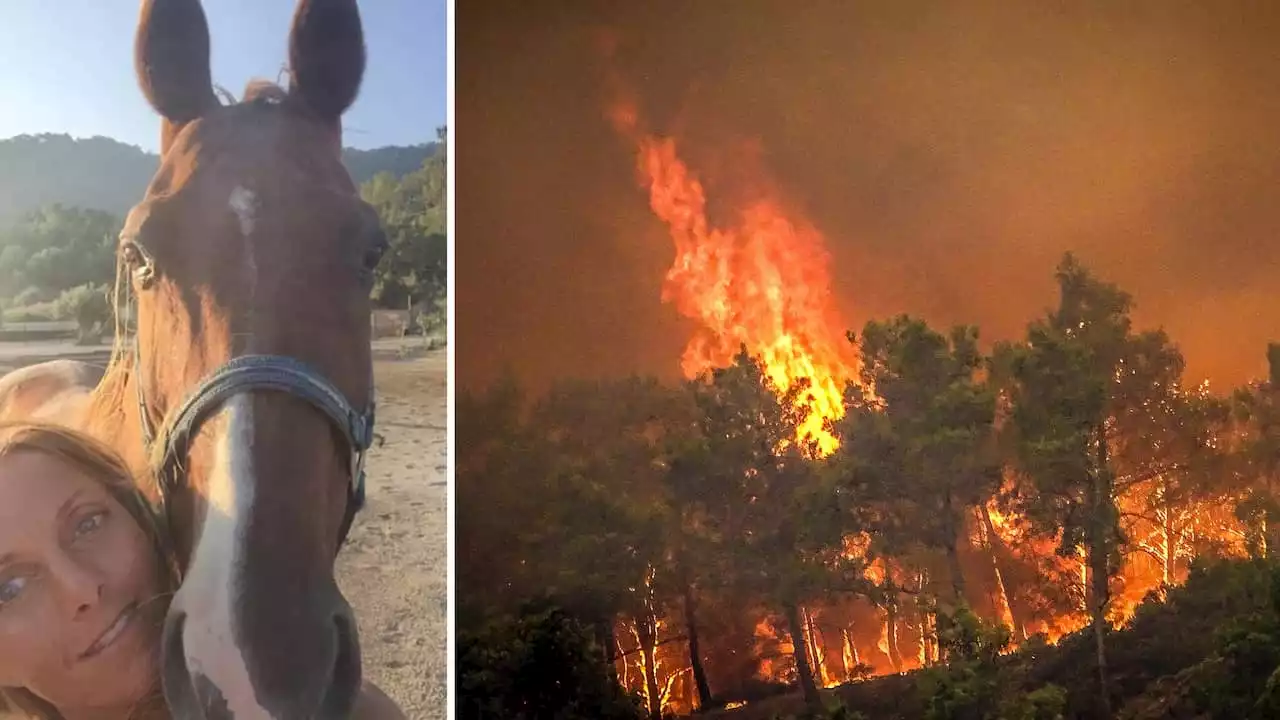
(102, 173)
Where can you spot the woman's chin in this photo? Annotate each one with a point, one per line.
(127, 670)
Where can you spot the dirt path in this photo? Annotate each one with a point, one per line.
(393, 569)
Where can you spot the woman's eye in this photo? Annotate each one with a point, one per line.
(11, 588)
(90, 523)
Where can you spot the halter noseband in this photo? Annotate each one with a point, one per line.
(255, 373)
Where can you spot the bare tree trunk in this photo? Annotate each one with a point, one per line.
(626, 667)
(1100, 542)
(1099, 632)
(695, 653)
(891, 625)
(957, 575)
(647, 636)
(927, 655)
(608, 645)
(850, 654)
(815, 647)
(805, 673)
(951, 543)
(1268, 543)
(995, 544)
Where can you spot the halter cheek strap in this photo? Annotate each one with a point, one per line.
(258, 373)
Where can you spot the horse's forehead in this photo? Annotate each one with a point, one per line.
(235, 144)
(238, 171)
(238, 182)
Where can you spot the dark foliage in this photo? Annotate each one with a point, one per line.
(540, 664)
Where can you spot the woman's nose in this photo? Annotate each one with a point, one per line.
(79, 584)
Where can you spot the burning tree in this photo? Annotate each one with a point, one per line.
(1258, 414)
(610, 538)
(1179, 482)
(678, 520)
(1083, 388)
(917, 454)
(777, 521)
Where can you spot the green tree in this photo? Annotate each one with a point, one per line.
(777, 518)
(1082, 387)
(609, 527)
(1179, 476)
(695, 550)
(89, 307)
(58, 248)
(500, 471)
(414, 214)
(917, 438)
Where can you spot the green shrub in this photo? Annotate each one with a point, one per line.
(1046, 703)
(39, 312)
(1245, 684)
(969, 685)
(541, 664)
(89, 307)
(30, 296)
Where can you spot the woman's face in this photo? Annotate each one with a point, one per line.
(79, 621)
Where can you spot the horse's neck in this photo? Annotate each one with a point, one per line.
(114, 417)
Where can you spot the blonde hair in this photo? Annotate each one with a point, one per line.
(101, 463)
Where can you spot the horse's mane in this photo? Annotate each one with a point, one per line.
(256, 92)
(110, 389)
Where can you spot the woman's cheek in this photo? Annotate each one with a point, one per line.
(134, 557)
(26, 654)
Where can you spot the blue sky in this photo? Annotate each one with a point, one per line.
(70, 69)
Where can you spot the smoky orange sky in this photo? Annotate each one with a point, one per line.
(948, 152)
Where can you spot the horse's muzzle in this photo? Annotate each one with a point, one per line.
(210, 672)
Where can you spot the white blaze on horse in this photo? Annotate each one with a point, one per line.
(243, 400)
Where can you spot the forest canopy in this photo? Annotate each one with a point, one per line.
(991, 521)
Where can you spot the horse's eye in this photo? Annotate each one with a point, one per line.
(131, 255)
(138, 263)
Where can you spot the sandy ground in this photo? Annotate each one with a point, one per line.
(394, 567)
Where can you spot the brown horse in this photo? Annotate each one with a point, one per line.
(246, 391)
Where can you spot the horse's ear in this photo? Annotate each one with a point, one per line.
(326, 56)
(171, 59)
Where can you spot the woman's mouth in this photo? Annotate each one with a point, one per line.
(112, 633)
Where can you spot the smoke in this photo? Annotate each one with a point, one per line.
(950, 153)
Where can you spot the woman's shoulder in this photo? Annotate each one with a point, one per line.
(373, 704)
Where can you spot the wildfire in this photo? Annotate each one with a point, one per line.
(760, 279)
(762, 283)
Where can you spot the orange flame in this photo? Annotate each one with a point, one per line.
(762, 283)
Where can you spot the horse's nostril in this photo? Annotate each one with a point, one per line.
(345, 686)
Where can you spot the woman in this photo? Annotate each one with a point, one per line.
(85, 580)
